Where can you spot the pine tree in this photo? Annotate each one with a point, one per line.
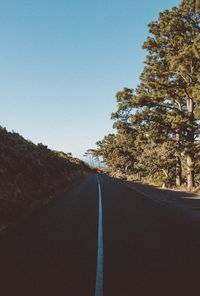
(162, 115)
(175, 42)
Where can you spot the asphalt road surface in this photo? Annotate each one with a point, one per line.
(147, 249)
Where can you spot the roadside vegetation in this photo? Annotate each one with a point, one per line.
(158, 123)
(32, 175)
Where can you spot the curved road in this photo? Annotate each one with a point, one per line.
(147, 249)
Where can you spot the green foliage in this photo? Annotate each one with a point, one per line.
(158, 123)
(31, 173)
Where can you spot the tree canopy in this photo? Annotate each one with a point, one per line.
(157, 124)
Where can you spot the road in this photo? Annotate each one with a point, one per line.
(147, 249)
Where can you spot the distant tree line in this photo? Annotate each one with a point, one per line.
(158, 123)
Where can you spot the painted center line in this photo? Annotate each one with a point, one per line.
(99, 273)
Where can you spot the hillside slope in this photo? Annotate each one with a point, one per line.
(32, 174)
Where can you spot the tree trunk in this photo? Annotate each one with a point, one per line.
(139, 176)
(166, 173)
(178, 171)
(190, 171)
(178, 161)
(190, 145)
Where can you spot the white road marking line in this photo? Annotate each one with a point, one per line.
(99, 273)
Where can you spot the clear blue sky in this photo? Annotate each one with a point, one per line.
(62, 62)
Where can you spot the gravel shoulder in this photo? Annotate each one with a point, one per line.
(186, 202)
